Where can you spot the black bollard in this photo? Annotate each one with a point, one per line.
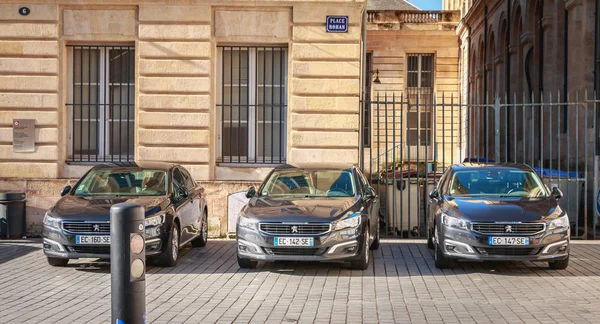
(127, 264)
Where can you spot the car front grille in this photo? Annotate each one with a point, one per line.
(87, 227)
(293, 251)
(279, 228)
(90, 249)
(506, 228)
(507, 251)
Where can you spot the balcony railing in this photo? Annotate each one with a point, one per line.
(412, 16)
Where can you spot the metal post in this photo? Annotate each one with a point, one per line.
(127, 264)
(497, 129)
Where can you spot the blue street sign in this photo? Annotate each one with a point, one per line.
(337, 24)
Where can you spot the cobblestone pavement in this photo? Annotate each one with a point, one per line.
(401, 286)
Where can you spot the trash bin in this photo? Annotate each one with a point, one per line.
(12, 214)
(572, 185)
(402, 196)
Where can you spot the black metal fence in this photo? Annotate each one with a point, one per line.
(252, 104)
(415, 138)
(101, 104)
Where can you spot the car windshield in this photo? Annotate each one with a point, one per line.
(313, 183)
(496, 183)
(123, 183)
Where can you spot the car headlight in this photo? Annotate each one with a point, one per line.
(51, 221)
(350, 221)
(454, 222)
(561, 222)
(154, 220)
(247, 223)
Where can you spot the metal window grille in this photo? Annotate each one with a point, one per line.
(420, 88)
(252, 104)
(101, 104)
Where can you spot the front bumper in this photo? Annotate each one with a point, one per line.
(468, 245)
(58, 243)
(341, 245)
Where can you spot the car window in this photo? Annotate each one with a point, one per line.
(188, 181)
(314, 183)
(123, 182)
(496, 183)
(178, 182)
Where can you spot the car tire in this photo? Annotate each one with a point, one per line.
(559, 265)
(201, 240)
(376, 242)
(169, 256)
(441, 261)
(246, 263)
(362, 263)
(430, 244)
(57, 262)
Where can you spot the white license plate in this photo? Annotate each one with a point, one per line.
(294, 241)
(92, 239)
(508, 241)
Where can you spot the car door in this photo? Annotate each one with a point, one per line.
(196, 197)
(371, 203)
(183, 205)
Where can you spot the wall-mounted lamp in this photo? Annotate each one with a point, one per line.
(376, 81)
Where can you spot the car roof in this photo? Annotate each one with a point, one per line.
(316, 166)
(165, 166)
(474, 165)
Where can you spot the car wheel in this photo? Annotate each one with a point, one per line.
(246, 263)
(559, 265)
(57, 262)
(376, 241)
(362, 263)
(201, 240)
(441, 261)
(171, 252)
(430, 244)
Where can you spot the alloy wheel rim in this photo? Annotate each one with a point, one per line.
(175, 243)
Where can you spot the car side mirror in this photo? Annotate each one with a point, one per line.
(65, 190)
(183, 193)
(251, 192)
(557, 193)
(370, 193)
(434, 194)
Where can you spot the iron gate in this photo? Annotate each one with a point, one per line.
(409, 139)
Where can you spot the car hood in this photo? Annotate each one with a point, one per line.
(500, 210)
(80, 208)
(321, 209)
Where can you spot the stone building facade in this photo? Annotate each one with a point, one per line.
(199, 83)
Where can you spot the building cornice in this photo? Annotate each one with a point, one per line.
(570, 4)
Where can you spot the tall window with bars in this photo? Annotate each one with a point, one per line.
(420, 81)
(101, 103)
(252, 104)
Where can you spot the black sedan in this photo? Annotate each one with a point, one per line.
(309, 214)
(497, 212)
(78, 225)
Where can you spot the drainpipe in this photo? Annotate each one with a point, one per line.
(364, 79)
(541, 52)
(485, 76)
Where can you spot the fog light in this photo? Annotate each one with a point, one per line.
(242, 248)
(47, 246)
(562, 249)
(351, 249)
(450, 248)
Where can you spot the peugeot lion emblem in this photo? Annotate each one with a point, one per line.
(96, 227)
(508, 228)
(294, 229)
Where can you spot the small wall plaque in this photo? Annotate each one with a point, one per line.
(23, 135)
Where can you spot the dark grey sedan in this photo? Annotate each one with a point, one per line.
(78, 225)
(309, 214)
(496, 212)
